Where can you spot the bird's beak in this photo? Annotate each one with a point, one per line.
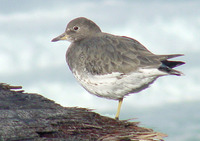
(63, 36)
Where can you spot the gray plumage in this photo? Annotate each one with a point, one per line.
(105, 53)
(102, 53)
(112, 66)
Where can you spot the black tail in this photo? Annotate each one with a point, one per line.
(167, 66)
(173, 64)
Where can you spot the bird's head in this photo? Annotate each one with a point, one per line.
(78, 29)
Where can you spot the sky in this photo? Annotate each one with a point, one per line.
(29, 58)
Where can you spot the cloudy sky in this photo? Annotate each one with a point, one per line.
(29, 58)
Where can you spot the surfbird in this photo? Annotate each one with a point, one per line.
(111, 66)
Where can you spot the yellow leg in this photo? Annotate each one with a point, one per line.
(118, 109)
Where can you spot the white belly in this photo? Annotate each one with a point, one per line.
(117, 85)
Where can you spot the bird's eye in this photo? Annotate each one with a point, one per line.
(75, 27)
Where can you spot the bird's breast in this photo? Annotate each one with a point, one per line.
(115, 85)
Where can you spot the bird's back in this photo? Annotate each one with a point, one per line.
(106, 53)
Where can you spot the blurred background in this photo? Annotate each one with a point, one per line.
(28, 57)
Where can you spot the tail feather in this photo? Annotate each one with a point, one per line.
(172, 64)
(167, 66)
(170, 56)
(165, 57)
(170, 71)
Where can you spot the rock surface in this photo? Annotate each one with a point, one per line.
(32, 117)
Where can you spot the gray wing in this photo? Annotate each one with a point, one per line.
(109, 53)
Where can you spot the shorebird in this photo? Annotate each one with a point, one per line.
(111, 66)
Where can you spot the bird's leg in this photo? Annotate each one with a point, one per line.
(118, 109)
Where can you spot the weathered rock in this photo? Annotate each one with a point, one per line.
(28, 117)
